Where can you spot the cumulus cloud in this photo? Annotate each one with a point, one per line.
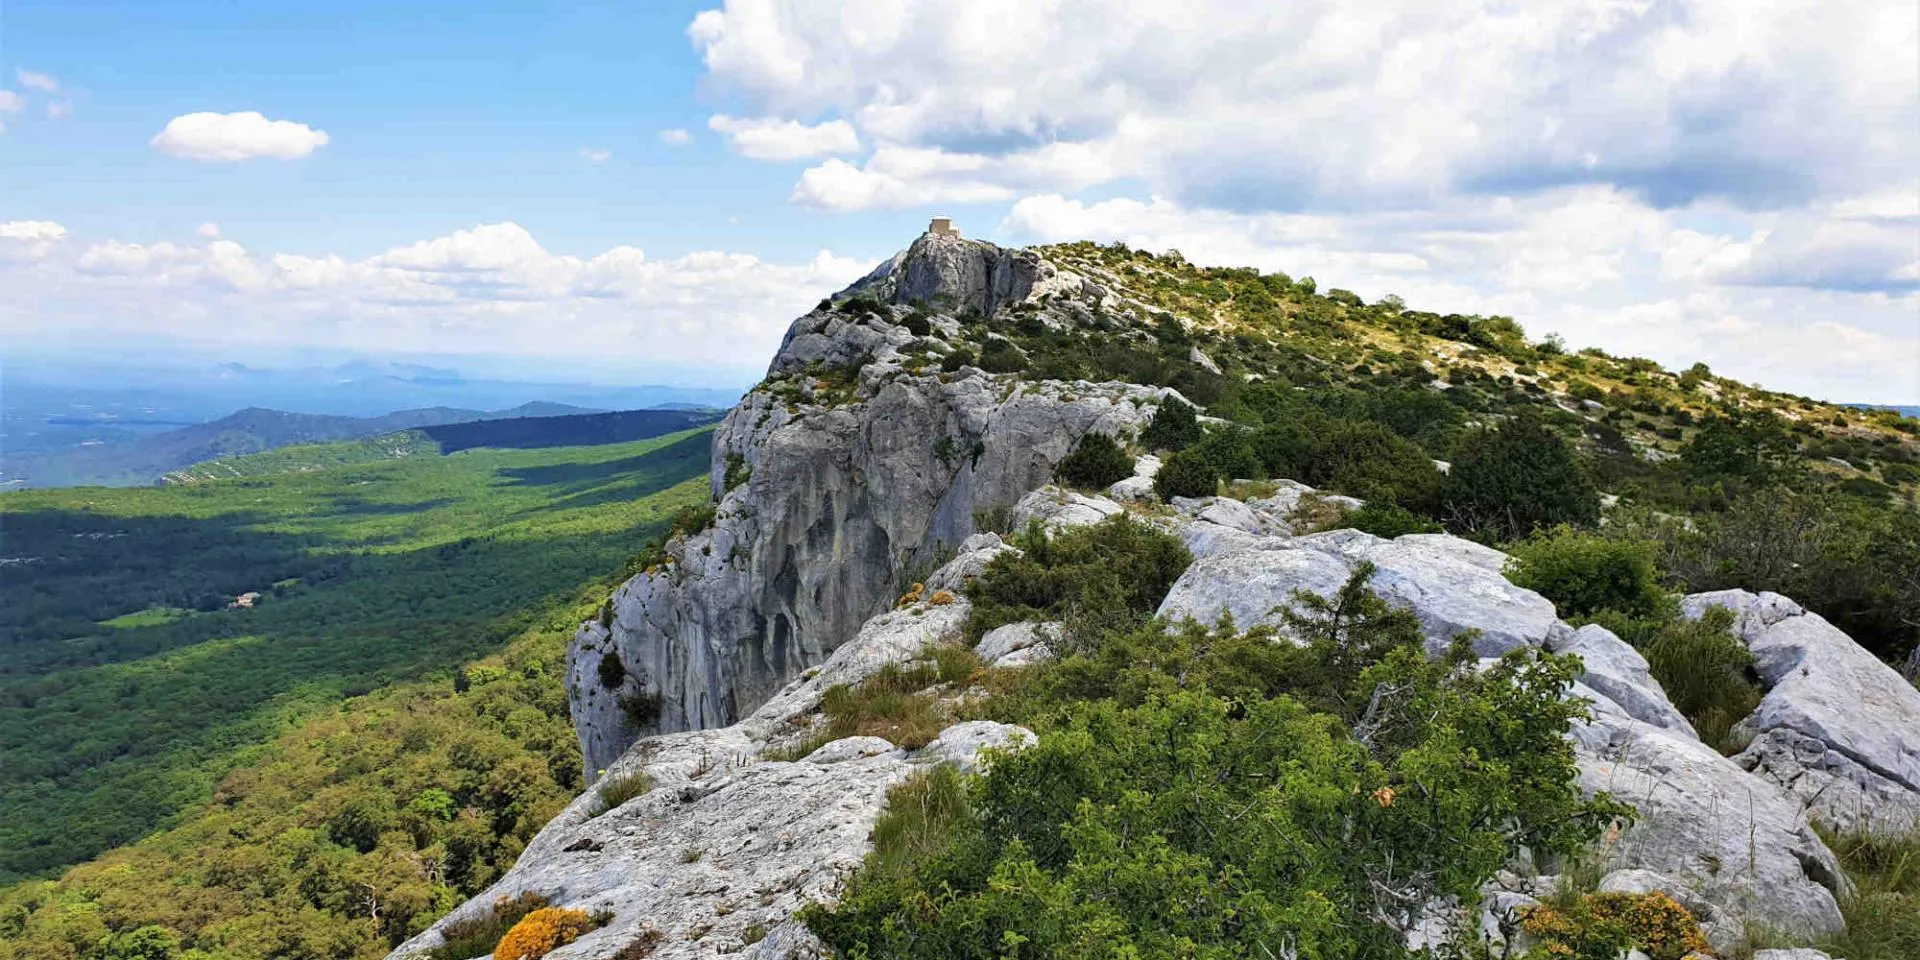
(675, 137)
(11, 102)
(595, 154)
(489, 290)
(34, 80)
(22, 240)
(231, 137)
(769, 138)
(1360, 102)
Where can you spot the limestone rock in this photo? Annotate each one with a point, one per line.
(962, 744)
(1000, 641)
(1839, 729)
(1734, 842)
(1449, 587)
(1617, 670)
(1797, 953)
(840, 500)
(1059, 509)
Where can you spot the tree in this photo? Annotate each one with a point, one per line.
(1174, 426)
(1096, 462)
(1189, 473)
(1514, 479)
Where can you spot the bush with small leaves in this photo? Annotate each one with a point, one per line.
(1584, 573)
(1174, 426)
(1603, 926)
(612, 671)
(541, 932)
(1189, 473)
(1387, 520)
(1095, 463)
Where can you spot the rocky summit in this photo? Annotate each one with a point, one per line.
(907, 429)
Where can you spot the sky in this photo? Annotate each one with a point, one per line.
(652, 191)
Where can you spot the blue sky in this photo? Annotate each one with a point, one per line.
(1688, 180)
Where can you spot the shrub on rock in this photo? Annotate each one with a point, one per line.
(1096, 463)
(541, 932)
(1189, 473)
(1175, 426)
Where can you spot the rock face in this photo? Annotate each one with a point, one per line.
(849, 487)
(855, 469)
(728, 845)
(1838, 729)
(1730, 845)
(1446, 582)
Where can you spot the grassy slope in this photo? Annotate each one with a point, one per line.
(408, 567)
(306, 457)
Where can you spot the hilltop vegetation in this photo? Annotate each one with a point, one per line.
(131, 685)
(1737, 486)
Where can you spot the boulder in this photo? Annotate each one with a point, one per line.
(1618, 671)
(1735, 843)
(1057, 509)
(1252, 586)
(1837, 728)
(1013, 637)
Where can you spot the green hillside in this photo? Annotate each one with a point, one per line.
(306, 457)
(131, 684)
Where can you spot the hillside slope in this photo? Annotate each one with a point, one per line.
(131, 676)
(816, 633)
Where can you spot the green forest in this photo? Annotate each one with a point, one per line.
(133, 683)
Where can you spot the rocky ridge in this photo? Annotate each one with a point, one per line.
(834, 489)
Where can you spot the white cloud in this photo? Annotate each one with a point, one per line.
(230, 137)
(675, 137)
(24, 240)
(60, 110)
(770, 138)
(34, 80)
(595, 154)
(491, 290)
(1358, 102)
(11, 102)
(208, 231)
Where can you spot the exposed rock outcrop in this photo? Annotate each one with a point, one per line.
(859, 465)
(848, 485)
(728, 844)
(1838, 729)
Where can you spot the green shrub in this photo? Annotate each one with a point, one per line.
(1112, 574)
(1387, 520)
(1002, 356)
(1517, 478)
(1096, 462)
(612, 671)
(1585, 573)
(1174, 426)
(919, 322)
(1344, 778)
(616, 790)
(960, 357)
(1231, 453)
(1188, 473)
(642, 708)
(1703, 669)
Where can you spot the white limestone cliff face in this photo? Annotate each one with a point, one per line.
(859, 470)
(729, 844)
(849, 486)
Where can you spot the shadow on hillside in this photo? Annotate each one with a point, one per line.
(629, 478)
(103, 751)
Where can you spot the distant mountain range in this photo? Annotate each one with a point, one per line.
(145, 459)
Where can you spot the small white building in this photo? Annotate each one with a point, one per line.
(943, 226)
